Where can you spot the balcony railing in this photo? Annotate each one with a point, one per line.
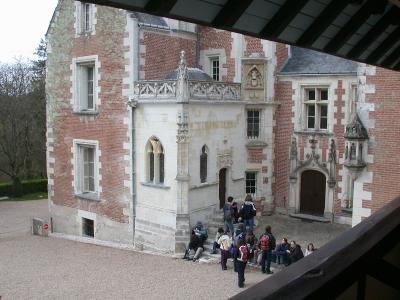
(362, 263)
(198, 90)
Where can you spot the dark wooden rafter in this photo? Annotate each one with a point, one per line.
(231, 12)
(351, 27)
(385, 45)
(392, 58)
(160, 6)
(384, 272)
(383, 23)
(322, 22)
(282, 18)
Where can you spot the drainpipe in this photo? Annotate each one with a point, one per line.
(197, 46)
(135, 77)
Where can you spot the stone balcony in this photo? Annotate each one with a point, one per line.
(197, 90)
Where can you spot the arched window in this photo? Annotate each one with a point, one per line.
(155, 161)
(203, 164)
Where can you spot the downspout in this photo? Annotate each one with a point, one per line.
(198, 46)
(135, 77)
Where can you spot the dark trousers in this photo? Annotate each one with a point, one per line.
(241, 267)
(266, 261)
(224, 258)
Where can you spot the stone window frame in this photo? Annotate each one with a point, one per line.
(205, 61)
(204, 164)
(155, 162)
(256, 185)
(85, 18)
(78, 65)
(318, 103)
(215, 68)
(252, 136)
(78, 165)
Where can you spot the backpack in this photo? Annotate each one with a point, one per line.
(267, 242)
(244, 253)
(247, 211)
(228, 212)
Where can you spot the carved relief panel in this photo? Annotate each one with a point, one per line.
(253, 79)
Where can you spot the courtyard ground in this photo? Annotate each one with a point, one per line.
(33, 267)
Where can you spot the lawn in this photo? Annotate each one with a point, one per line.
(32, 196)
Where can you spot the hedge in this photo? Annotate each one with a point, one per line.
(28, 187)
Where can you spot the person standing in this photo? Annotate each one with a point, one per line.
(266, 244)
(225, 243)
(243, 255)
(228, 216)
(248, 212)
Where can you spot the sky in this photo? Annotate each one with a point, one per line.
(22, 24)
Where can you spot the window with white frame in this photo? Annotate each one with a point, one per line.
(251, 183)
(85, 83)
(214, 65)
(85, 17)
(253, 123)
(316, 108)
(155, 161)
(86, 167)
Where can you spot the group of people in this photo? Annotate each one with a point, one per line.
(242, 245)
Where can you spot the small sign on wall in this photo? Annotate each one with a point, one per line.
(40, 227)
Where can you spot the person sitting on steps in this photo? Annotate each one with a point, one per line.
(198, 237)
(215, 244)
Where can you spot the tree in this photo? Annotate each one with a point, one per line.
(23, 119)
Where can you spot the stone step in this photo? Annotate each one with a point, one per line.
(310, 218)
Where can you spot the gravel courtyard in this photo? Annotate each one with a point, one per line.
(49, 268)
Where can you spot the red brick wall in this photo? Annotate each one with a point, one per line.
(386, 148)
(162, 53)
(107, 127)
(253, 46)
(217, 39)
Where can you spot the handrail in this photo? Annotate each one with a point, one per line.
(336, 265)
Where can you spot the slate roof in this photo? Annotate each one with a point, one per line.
(194, 74)
(307, 62)
(150, 20)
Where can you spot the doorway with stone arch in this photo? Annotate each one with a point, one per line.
(222, 186)
(312, 193)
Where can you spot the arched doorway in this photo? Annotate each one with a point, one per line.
(222, 187)
(312, 194)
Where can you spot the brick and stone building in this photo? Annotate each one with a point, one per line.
(152, 123)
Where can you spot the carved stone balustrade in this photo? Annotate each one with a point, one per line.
(198, 90)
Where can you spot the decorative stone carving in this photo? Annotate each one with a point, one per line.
(355, 137)
(149, 90)
(224, 159)
(312, 160)
(253, 79)
(293, 149)
(212, 90)
(355, 130)
(183, 127)
(182, 81)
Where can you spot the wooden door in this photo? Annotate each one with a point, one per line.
(312, 194)
(222, 187)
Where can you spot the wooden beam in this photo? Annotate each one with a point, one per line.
(322, 22)
(230, 13)
(392, 58)
(384, 272)
(377, 29)
(282, 18)
(351, 26)
(160, 6)
(385, 46)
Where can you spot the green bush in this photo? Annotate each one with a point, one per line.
(28, 187)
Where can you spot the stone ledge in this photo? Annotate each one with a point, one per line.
(156, 185)
(89, 196)
(310, 218)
